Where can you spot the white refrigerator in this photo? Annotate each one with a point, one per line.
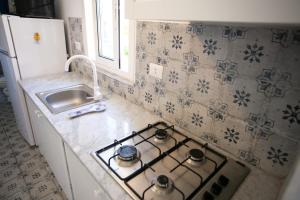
(29, 47)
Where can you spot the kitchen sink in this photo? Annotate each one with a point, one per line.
(64, 99)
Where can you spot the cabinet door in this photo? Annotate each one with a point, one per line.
(33, 115)
(236, 11)
(83, 184)
(51, 147)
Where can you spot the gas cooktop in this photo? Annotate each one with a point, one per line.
(161, 163)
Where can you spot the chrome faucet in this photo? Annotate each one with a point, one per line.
(97, 93)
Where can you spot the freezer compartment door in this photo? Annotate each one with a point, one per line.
(40, 45)
(11, 73)
(6, 44)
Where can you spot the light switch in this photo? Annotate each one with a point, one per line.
(77, 46)
(156, 70)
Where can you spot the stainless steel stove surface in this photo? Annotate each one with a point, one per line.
(159, 162)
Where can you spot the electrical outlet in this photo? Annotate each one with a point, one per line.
(156, 70)
(77, 46)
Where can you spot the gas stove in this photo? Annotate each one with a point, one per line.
(161, 163)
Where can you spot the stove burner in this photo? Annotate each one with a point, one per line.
(196, 155)
(163, 185)
(162, 181)
(127, 153)
(161, 136)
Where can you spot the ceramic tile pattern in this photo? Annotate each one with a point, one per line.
(24, 174)
(235, 87)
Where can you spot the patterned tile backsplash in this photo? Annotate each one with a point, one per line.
(235, 87)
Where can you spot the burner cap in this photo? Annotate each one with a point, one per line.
(127, 153)
(162, 181)
(161, 134)
(196, 155)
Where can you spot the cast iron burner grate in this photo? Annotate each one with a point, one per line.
(163, 183)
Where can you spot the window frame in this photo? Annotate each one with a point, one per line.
(106, 65)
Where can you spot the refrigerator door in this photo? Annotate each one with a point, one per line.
(6, 44)
(11, 73)
(39, 44)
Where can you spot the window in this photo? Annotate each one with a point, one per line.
(110, 38)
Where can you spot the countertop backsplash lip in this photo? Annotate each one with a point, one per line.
(84, 135)
(236, 87)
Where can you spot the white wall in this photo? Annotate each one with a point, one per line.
(70, 8)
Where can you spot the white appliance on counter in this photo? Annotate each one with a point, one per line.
(29, 47)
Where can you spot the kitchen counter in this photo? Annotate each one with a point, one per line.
(91, 132)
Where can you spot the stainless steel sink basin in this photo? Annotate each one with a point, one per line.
(64, 99)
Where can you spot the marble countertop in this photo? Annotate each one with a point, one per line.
(91, 132)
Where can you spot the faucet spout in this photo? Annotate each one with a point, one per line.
(97, 93)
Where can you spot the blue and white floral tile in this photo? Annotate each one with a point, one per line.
(174, 76)
(131, 93)
(285, 112)
(75, 34)
(170, 107)
(153, 38)
(231, 135)
(151, 93)
(288, 59)
(210, 46)
(203, 85)
(242, 98)
(276, 155)
(248, 56)
(196, 119)
(236, 73)
(177, 41)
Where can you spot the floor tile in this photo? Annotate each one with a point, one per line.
(24, 173)
(20, 196)
(7, 162)
(43, 189)
(12, 187)
(8, 174)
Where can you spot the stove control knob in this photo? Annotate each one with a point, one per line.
(208, 196)
(223, 180)
(216, 189)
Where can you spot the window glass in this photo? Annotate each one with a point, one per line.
(124, 35)
(105, 28)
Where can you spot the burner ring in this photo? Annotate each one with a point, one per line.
(163, 185)
(162, 181)
(196, 155)
(127, 153)
(161, 134)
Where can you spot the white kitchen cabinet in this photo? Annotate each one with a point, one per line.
(51, 146)
(235, 11)
(83, 184)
